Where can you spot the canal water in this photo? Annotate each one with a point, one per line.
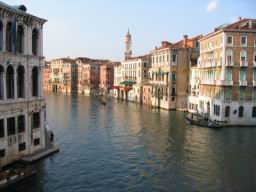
(127, 147)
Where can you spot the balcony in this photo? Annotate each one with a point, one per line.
(243, 64)
(218, 64)
(229, 63)
(242, 83)
(224, 82)
(207, 82)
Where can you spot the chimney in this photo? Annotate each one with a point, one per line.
(239, 18)
(185, 40)
(250, 24)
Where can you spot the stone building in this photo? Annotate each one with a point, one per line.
(170, 72)
(47, 76)
(64, 75)
(226, 74)
(22, 105)
(106, 80)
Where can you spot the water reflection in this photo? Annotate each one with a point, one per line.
(127, 147)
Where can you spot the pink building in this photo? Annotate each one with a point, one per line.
(147, 94)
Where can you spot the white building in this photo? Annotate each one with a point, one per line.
(22, 105)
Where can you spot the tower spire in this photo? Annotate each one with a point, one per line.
(128, 44)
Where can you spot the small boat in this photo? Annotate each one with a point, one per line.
(196, 119)
(16, 178)
(103, 100)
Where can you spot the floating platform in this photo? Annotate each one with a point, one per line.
(41, 154)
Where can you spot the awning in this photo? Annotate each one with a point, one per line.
(128, 83)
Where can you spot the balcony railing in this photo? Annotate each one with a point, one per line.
(207, 82)
(229, 63)
(224, 82)
(243, 64)
(242, 83)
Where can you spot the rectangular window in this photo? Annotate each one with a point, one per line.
(37, 141)
(36, 120)
(229, 74)
(2, 153)
(242, 94)
(21, 123)
(229, 40)
(1, 128)
(254, 74)
(173, 76)
(11, 126)
(254, 94)
(174, 58)
(242, 74)
(22, 146)
(243, 40)
(227, 94)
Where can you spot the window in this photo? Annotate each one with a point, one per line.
(229, 55)
(1, 36)
(229, 40)
(227, 111)
(254, 111)
(243, 41)
(254, 94)
(20, 82)
(173, 76)
(36, 120)
(174, 58)
(34, 42)
(216, 110)
(173, 92)
(35, 74)
(254, 74)
(22, 146)
(242, 74)
(2, 153)
(10, 82)
(8, 37)
(1, 128)
(227, 94)
(21, 123)
(1, 82)
(11, 126)
(241, 111)
(20, 39)
(243, 56)
(37, 141)
(242, 94)
(229, 74)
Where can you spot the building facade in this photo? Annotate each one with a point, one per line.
(22, 105)
(106, 81)
(226, 74)
(170, 72)
(47, 76)
(63, 75)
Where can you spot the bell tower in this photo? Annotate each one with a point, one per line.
(128, 46)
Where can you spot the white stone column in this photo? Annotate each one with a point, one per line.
(4, 37)
(15, 83)
(4, 87)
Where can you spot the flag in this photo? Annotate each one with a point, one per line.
(13, 36)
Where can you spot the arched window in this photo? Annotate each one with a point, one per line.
(1, 36)
(8, 34)
(227, 111)
(10, 82)
(229, 56)
(254, 111)
(35, 42)
(20, 82)
(20, 39)
(1, 82)
(243, 56)
(241, 111)
(35, 82)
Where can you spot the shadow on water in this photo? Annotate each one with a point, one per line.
(124, 146)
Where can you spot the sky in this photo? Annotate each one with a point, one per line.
(97, 28)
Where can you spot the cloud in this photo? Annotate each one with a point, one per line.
(212, 6)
